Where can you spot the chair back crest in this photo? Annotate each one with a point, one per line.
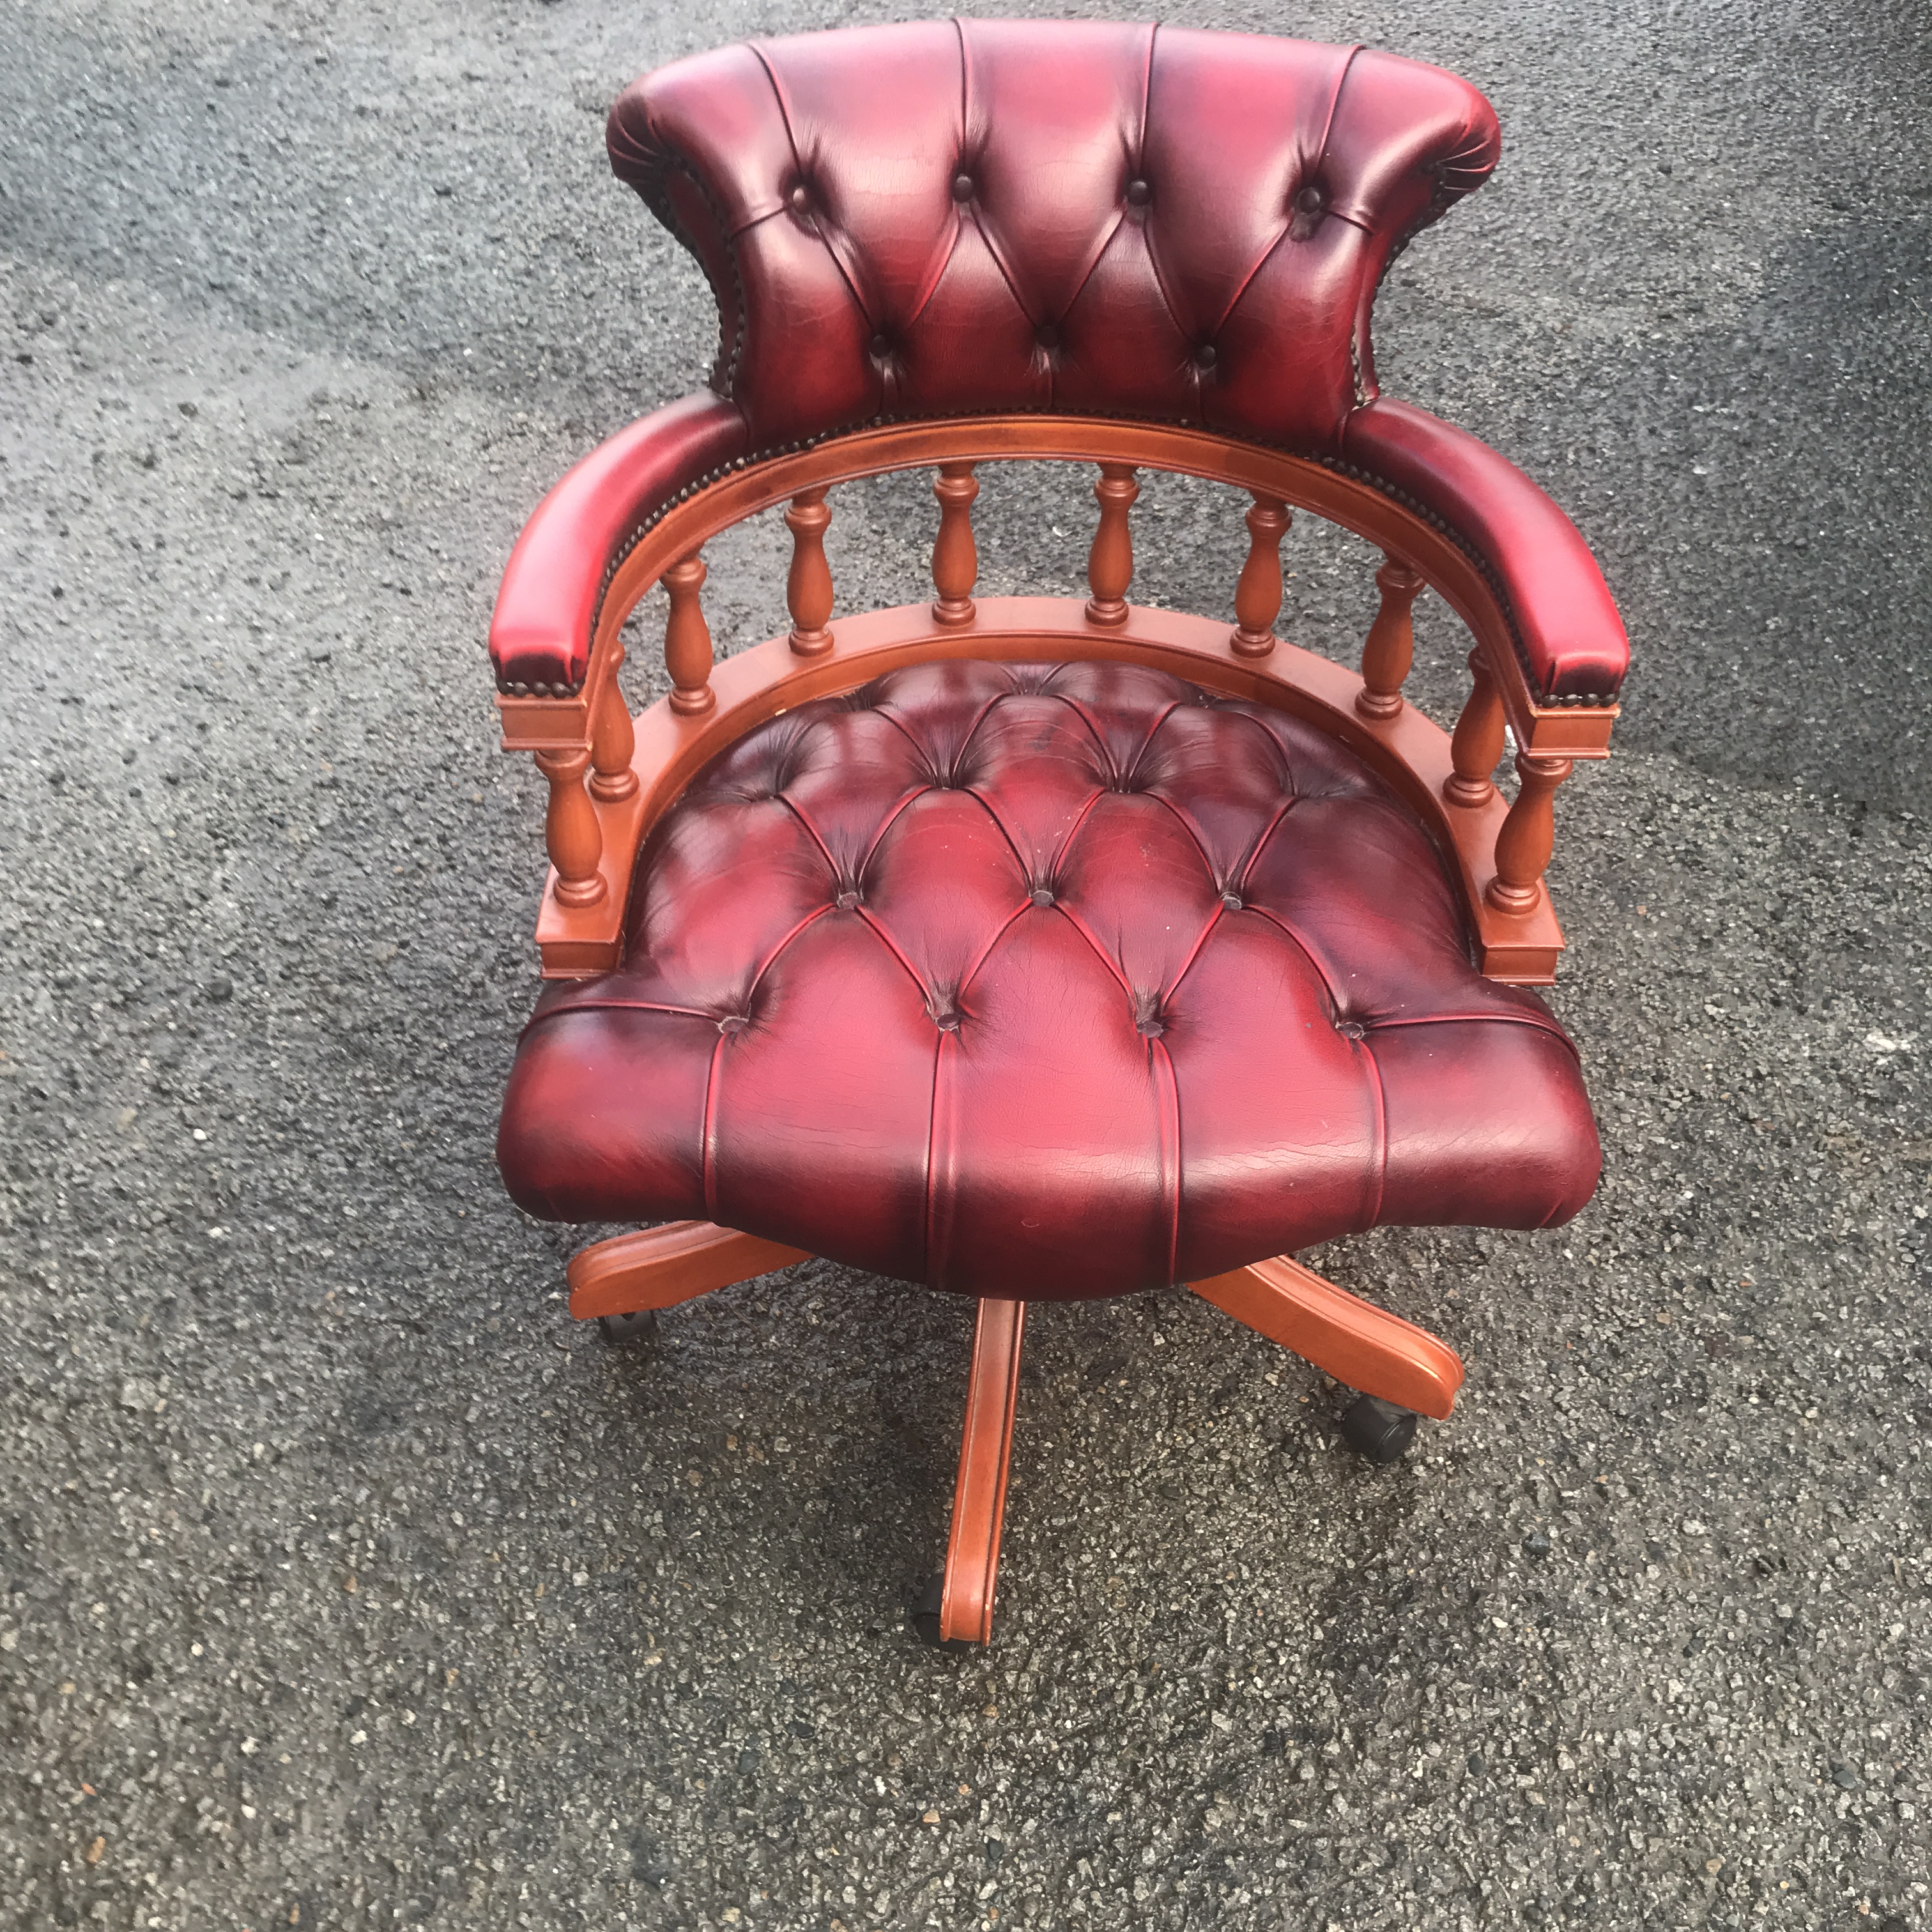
(1079, 217)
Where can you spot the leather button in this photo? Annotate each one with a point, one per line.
(800, 199)
(1232, 901)
(880, 348)
(1139, 193)
(846, 901)
(1309, 200)
(1351, 1029)
(1047, 336)
(1206, 356)
(732, 1023)
(947, 1020)
(962, 187)
(1042, 896)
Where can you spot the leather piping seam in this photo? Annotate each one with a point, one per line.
(1301, 945)
(930, 1227)
(1379, 1174)
(913, 793)
(1201, 938)
(1238, 884)
(724, 366)
(1058, 864)
(616, 1006)
(1528, 1020)
(1166, 1084)
(1099, 953)
(707, 1145)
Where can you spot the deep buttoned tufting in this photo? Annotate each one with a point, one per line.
(1084, 216)
(1044, 981)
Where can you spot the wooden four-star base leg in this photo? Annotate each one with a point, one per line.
(1359, 1345)
(659, 1268)
(979, 1493)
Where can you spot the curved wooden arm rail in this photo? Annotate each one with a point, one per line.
(1499, 852)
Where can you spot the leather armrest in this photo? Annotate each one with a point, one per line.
(540, 633)
(1569, 644)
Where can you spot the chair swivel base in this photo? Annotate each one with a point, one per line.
(1400, 1370)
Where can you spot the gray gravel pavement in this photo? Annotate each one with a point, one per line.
(343, 1582)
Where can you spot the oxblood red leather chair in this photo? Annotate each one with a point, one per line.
(1038, 948)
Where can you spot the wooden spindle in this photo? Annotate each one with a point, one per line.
(956, 556)
(1258, 593)
(1524, 844)
(613, 739)
(1110, 563)
(570, 829)
(809, 586)
(1478, 742)
(1390, 648)
(688, 654)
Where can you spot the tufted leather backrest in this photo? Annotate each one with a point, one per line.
(1078, 217)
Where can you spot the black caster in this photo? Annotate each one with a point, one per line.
(1378, 1430)
(619, 1329)
(926, 1614)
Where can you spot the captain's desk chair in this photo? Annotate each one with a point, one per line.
(1036, 948)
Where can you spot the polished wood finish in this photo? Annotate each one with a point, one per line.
(659, 1268)
(1478, 742)
(959, 442)
(1528, 837)
(1410, 750)
(571, 830)
(688, 653)
(613, 740)
(956, 556)
(1362, 1346)
(808, 585)
(979, 1492)
(1110, 563)
(1258, 593)
(1390, 648)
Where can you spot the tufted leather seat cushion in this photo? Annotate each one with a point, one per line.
(1047, 981)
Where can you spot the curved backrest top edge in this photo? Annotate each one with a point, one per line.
(1079, 218)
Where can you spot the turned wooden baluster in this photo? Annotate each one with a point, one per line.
(1257, 594)
(613, 739)
(1110, 563)
(808, 587)
(955, 557)
(688, 654)
(1523, 845)
(1478, 742)
(570, 829)
(1390, 648)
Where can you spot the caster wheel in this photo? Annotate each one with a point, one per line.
(926, 1614)
(1378, 1430)
(619, 1329)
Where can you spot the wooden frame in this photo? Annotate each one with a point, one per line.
(612, 778)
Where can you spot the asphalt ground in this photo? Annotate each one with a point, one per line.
(343, 1582)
